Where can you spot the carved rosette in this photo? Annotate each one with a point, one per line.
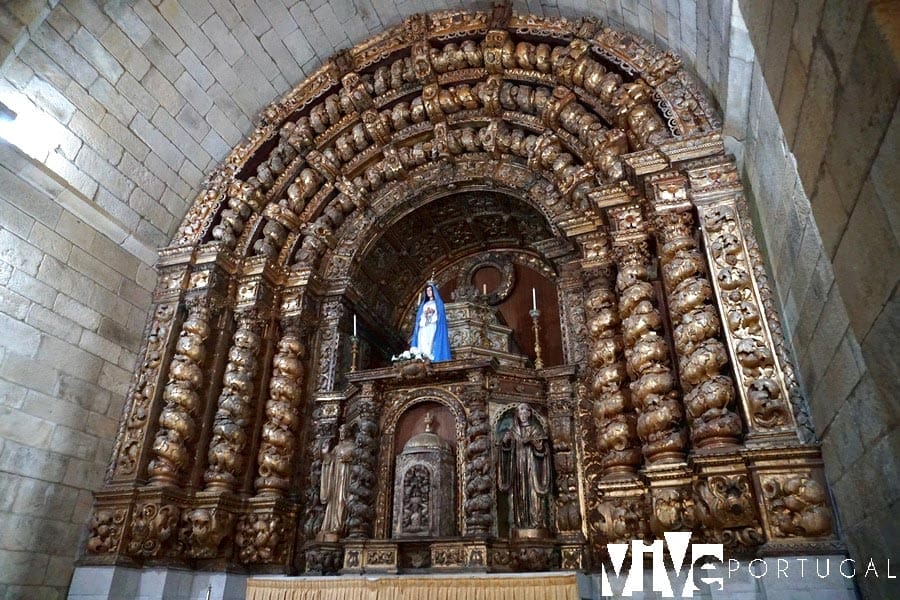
(479, 474)
(279, 432)
(153, 525)
(177, 426)
(105, 530)
(622, 516)
(660, 416)
(796, 506)
(613, 415)
(708, 392)
(205, 531)
(760, 381)
(262, 538)
(230, 437)
(131, 439)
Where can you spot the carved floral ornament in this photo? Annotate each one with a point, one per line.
(579, 151)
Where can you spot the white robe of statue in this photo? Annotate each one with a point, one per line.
(427, 327)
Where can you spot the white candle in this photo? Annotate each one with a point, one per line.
(484, 289)
(354, 325)
(533, 299)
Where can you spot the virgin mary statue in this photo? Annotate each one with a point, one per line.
(430, 334)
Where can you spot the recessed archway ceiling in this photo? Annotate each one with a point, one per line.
(440, 233)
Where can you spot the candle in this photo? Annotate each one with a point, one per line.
(484, 289)
(354, 325)
(208, 592)
(533, 299)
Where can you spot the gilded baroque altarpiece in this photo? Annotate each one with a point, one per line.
(584, 152)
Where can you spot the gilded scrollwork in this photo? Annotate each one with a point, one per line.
(797, 506)
(759, 376)
(153, 526)
(105, 530)
(262, 538)
(141, 396)
(205, 531)
(547, 131)
(673, 510)
(622, 518)
(724, 502)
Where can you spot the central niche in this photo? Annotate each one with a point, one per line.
(425, 477)
(475, 243)
(430, 234)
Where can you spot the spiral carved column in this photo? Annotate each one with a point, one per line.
(230, 436)
(361, 497)
(708, 392)
(177, 425)
(279, 432)
(613, 414)
(660, 415)
(479, 474)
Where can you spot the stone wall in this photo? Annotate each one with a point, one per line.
(72, 308)
(819, 132)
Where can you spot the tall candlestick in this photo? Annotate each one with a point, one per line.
(533, 299)
(535, 316)
(354, 325)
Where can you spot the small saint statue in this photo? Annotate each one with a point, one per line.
(430, 334)
(336, 464)
(524, 473)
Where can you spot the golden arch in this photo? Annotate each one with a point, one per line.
(607, 138)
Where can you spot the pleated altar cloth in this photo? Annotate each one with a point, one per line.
(533, 586)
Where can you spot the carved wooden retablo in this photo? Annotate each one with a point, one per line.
(586, 168)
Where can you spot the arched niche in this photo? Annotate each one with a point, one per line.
(401, 421)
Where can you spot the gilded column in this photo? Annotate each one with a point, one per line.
(234, 413)
(361, 497)
(479, 475)
(614, 419)
(660, 423)
(177, 421)
(702, 358)
(279, 431)
(765, 404)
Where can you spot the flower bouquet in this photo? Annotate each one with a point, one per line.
(411, 354)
